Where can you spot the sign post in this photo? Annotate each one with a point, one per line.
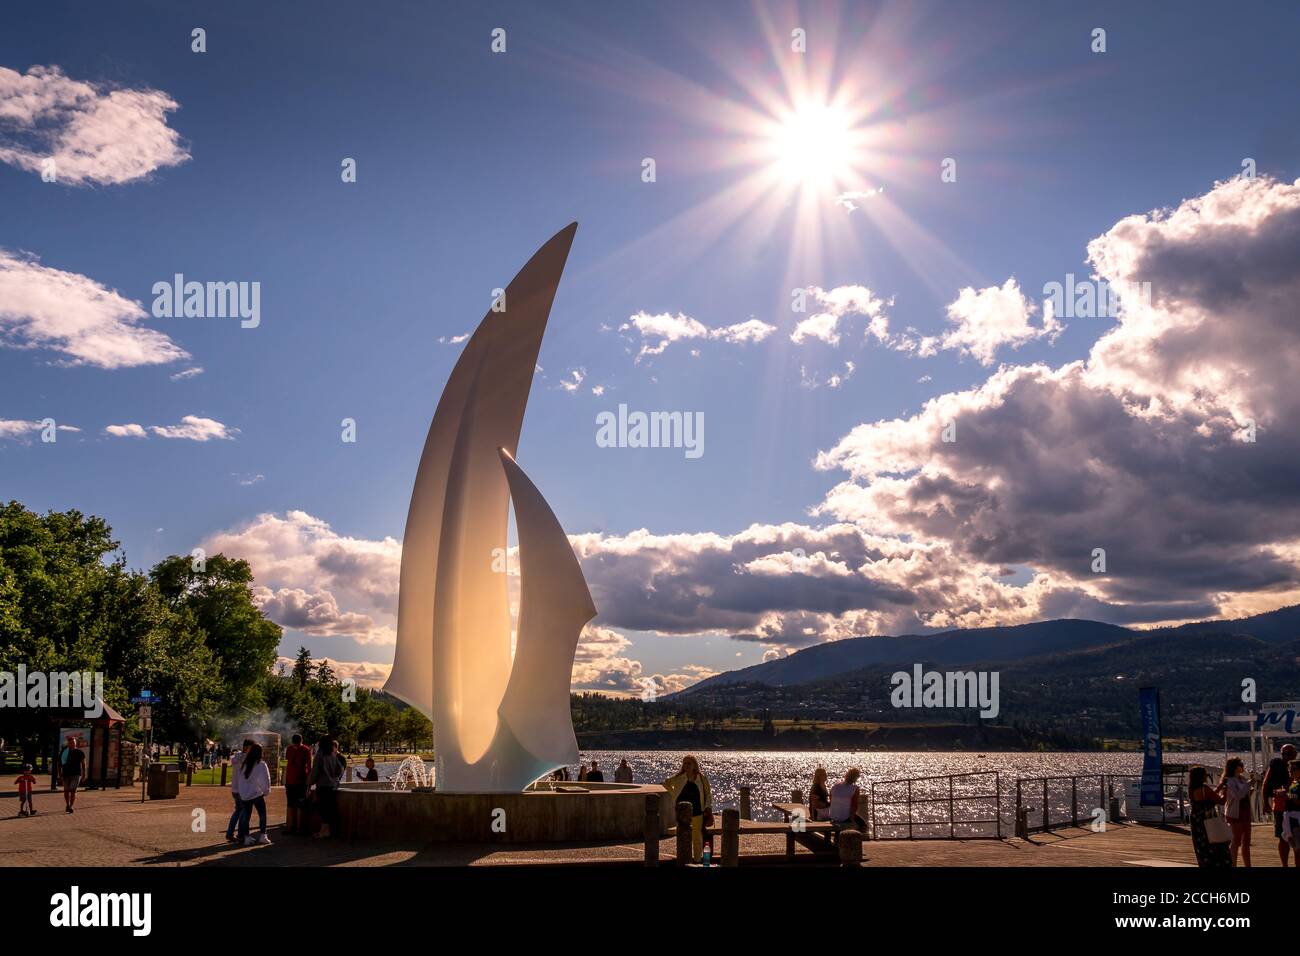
(1153, 779)
(144, 719)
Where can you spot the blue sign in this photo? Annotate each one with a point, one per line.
(1284, 720)
(144, 698)
(1153, 789)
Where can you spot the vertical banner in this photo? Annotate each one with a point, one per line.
(1153, 790)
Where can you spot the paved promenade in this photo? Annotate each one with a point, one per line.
(113, 828)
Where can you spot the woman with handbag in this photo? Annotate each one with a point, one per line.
(691, 786)
(1211, 835)
(1237, 790)
(1276, 781)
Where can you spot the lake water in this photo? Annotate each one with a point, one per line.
(773, 775)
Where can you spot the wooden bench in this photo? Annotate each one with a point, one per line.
(826, 833)
(816, 836)
(820, 836)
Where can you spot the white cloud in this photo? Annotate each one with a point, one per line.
(811, 380)
(601, 664)
(1138, 449)
(89, 324)
(365, 673)
(849, 200)
(836, 304)
(95, 134)
(186, 373)
(990, 318)
(194, 428)
(573, 380)
(985, 320)
(318, 614)
(130, 430)
(319, 568)
(660, 330)
(191, 428)
(18, 430)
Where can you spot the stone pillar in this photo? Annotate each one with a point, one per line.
(730, 837)
(652, 830)
(684, 854)
(850, 843)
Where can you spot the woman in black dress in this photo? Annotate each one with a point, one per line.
(1205, 802)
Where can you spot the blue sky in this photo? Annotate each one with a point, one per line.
(468, 160)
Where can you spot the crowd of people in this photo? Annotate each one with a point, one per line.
(311, 780)
(837, 803)
(1222, 813)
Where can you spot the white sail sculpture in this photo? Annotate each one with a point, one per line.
(500, 721)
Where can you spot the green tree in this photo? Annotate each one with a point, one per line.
(219, 598)
(302, 667)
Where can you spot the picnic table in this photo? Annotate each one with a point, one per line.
(817, 835)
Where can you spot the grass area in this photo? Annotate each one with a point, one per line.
(211, 777)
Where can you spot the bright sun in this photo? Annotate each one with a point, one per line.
(813, 146)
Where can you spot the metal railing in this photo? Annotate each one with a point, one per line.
(927, 806)
(1072, 801)
(1039, 796)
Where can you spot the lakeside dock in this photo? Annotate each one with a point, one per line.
(113, 828)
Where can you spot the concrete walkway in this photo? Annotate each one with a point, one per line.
(113, 828)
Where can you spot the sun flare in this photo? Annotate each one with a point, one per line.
(813, 146)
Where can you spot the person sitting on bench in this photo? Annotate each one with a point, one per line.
(844, 802)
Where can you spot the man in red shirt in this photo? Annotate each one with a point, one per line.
(25, 783)
(297, 759)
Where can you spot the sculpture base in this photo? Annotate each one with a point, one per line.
(600, 812)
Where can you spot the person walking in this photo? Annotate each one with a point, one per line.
(74, 762)
(323, 781)
(1209, 841)
(254, 784)
(623, 773)
(690, 785)
(236, 760)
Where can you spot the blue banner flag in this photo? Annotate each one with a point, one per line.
(1153, 789)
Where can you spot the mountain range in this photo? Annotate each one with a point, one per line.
(1018, 643)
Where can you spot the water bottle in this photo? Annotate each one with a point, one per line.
(708, 853)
